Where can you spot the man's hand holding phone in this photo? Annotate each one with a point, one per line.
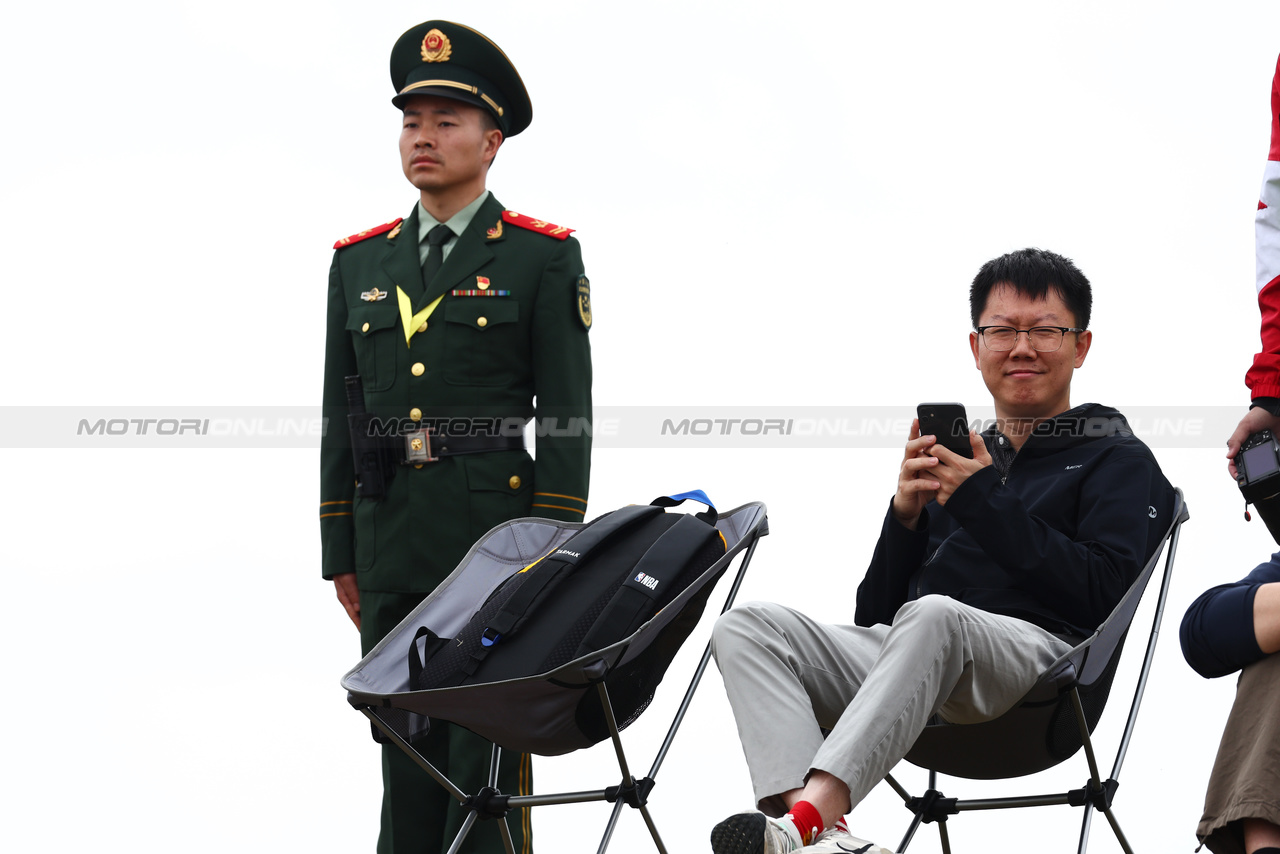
(916, 486)
(931, 472)
(960, 451)
(953, 469)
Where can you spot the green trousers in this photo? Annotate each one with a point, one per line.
(418, 815)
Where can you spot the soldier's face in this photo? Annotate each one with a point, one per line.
(444, 144)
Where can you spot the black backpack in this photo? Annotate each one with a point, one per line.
(595, 589)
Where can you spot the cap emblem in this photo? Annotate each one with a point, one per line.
(436, 47)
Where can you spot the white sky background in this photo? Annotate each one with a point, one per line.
(779, 206)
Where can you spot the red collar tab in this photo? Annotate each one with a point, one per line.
(367, 233)
(550, 229)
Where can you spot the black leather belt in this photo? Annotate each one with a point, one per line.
(423, 446)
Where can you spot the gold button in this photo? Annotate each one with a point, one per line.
(417, 465)
(515, 481)
(415, 414)
(484, 286)
(423, 327)
(364, 328)
(482, 321)
(418, 369)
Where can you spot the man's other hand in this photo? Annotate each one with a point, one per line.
(1254, 420)
(916, 484)
(349, 595)
(953, 469)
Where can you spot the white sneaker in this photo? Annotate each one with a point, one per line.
(837, 840)
(755, 833)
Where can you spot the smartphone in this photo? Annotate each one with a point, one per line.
(948, 422)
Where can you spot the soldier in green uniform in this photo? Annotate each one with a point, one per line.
(463, 321)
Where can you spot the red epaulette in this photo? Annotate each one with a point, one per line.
(550, 229)
(370, 232)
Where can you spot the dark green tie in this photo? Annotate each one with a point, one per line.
(436, 239)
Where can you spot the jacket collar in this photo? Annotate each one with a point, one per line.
(400, 258)
(1079, 425)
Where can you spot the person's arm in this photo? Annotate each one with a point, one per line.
(1122, 507)
(349, 595)
(904, 535)
(1230, 626)
(337, 471)
(886, 586)
(1266, 618)
(1258, 418)
(1263, 378)
(562, 389)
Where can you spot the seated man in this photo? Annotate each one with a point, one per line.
(986, 571)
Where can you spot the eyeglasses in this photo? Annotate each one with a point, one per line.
(1044, 339)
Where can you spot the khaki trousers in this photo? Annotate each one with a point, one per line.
(1245, 782)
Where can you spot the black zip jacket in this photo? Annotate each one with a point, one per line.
(1054, 535)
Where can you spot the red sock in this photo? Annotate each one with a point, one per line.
(806, 820)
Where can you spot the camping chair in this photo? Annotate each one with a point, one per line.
(549, 721)
(1050, 724)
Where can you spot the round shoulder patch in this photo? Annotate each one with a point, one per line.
(584, 301)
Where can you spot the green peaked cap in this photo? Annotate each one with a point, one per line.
(453, 61)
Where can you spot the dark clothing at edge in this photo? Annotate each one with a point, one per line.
(1217, 630)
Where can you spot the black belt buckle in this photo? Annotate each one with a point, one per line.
(417, 447)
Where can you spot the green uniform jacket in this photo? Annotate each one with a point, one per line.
(513, 356)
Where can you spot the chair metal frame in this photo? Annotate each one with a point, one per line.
(1097, 794)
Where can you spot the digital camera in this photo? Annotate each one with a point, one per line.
(1258, 466)
(1258, 476)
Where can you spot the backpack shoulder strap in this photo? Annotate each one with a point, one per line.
(555, 567)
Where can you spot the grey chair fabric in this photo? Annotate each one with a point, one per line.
(544, 723)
